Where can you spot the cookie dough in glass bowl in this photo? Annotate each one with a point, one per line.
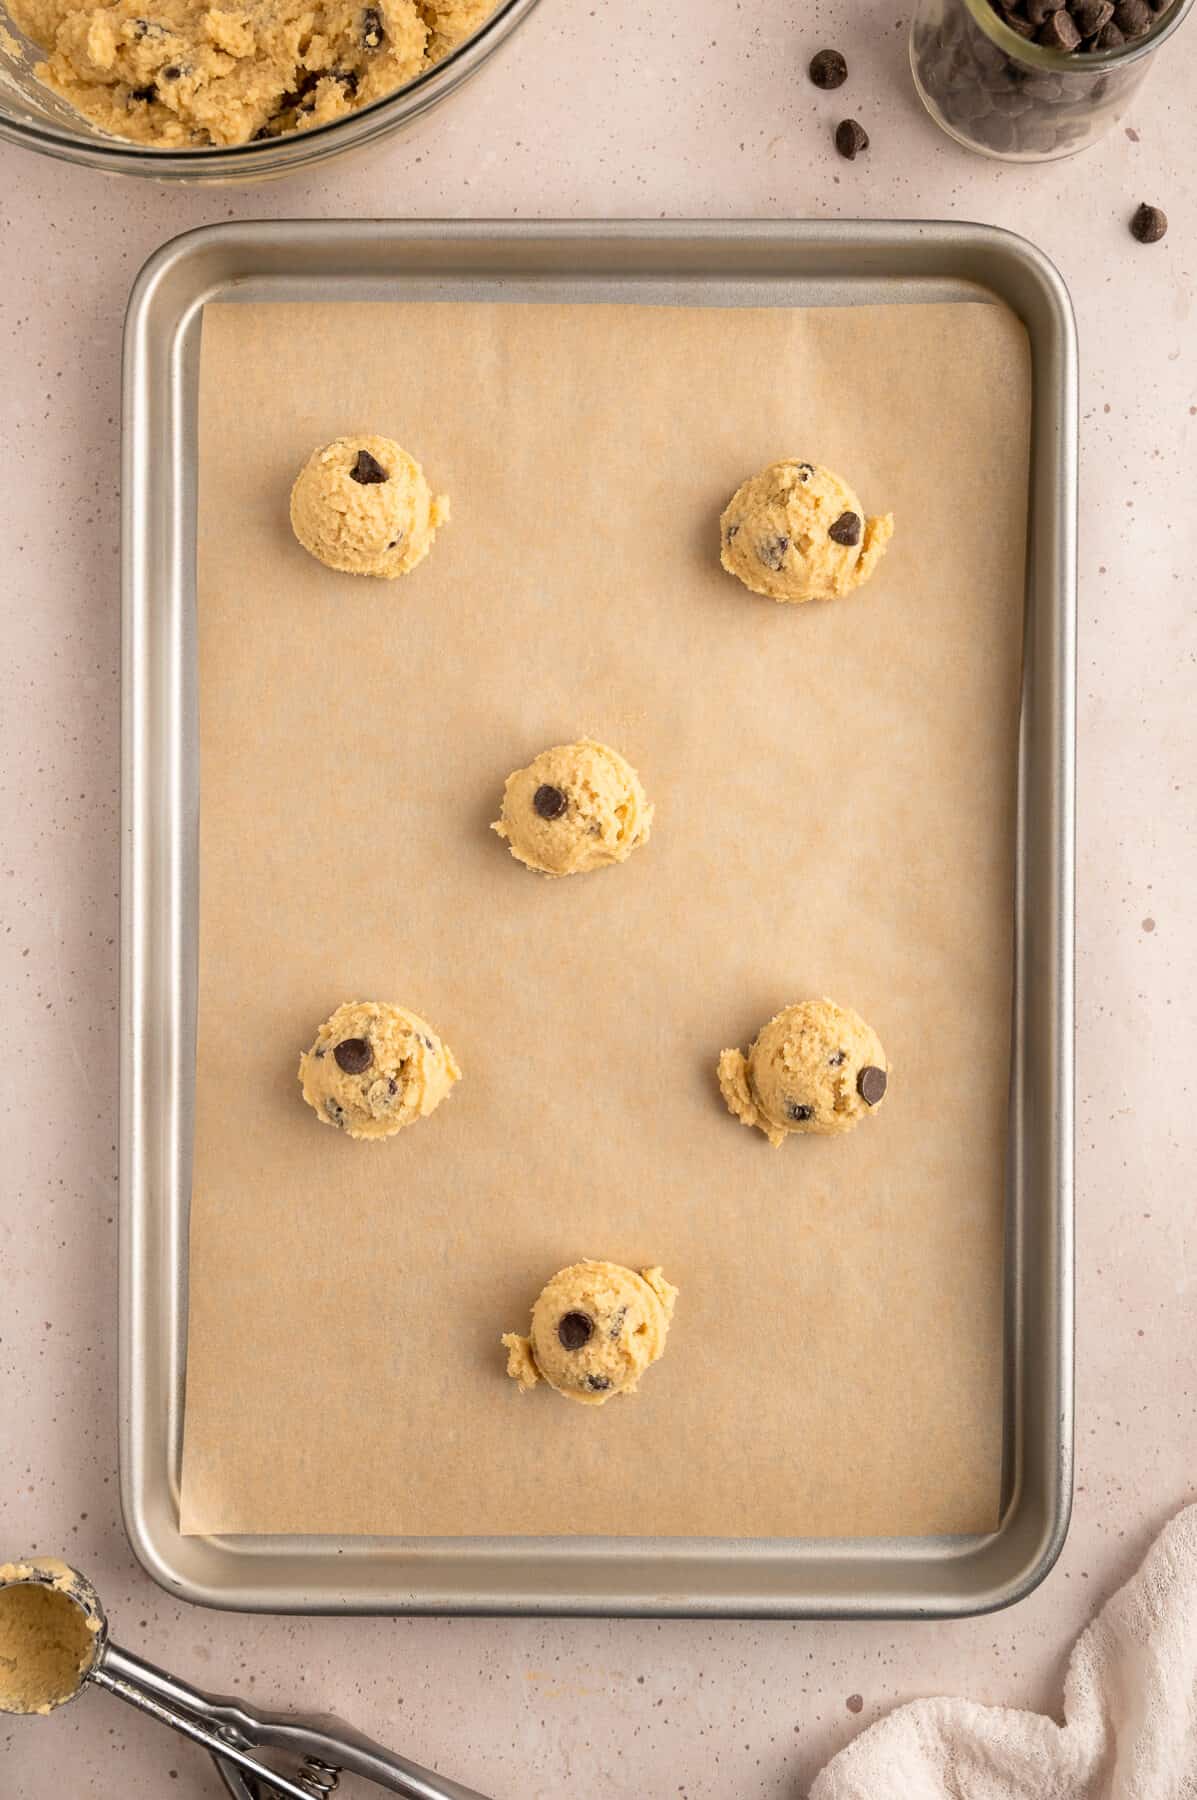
(226, 90)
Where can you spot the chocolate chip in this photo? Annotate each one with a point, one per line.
(348, 80)
(772, 552)
(144, 93)
(1038, 10)
(598, 1384)
(1109, 38)
(1017, 23)
(575, 1329)
(616, 1325)
(368, 470)
(846, 529)
(549, 801)
(1058, 32)
(335, 1111)
(837, 1059)
(731, 532)
(354, 1055)
(1090, 15)
(871, 1084)
(851, 138)
(828, 69)
(805, 471)
(392, 1085)
(1133, 17)
(171, 74)
(799, 1113)
(372, 29)
(1148, 224)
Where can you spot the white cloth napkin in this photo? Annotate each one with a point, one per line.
(1130, 1713)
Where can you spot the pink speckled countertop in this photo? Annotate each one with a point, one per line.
(649, 108)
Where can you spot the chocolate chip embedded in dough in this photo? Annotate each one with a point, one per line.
(828, 69)
(871, 1084)
(798, 1112)
(144, 93)
(837, 1059)
(368, 470)
(846, 529)
(772, 552)
(548, 801)
(851, 138)
(598, 1384)
(336, 1113)
(373, 31)
(731, 532)
(1148, 224)
(574, 1329)
(354, 1055)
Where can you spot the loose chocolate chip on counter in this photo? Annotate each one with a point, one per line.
(851, 138)
(372, 28)
(354, 1055)
(575, 1329)
(368, 470)
(598, 1384)
(1090, 15)
(1058, 32)
(772, 552)
(846, 529)
(1109, 38)
(799, 1113)
(1148, 224)
(1133, 17)
(828, 69)
(549, 801)
(871, 1084)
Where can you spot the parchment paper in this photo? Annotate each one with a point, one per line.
(835, 787)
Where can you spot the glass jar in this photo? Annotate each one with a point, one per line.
(996, 92)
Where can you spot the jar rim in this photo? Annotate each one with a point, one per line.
(1039, 56)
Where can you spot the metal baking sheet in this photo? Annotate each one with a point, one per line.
(750, 263)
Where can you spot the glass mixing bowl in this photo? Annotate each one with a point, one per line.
(35, 117)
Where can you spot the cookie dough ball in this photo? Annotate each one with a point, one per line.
(797, 532)
(362, 505)
(815, 1067)
(575, 807)
(596, 1327)
(375, 1068)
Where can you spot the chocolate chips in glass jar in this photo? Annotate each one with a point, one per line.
(1000, 100)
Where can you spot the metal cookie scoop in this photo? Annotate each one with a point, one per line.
(54, 1640)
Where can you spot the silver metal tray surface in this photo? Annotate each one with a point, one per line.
(722, 264)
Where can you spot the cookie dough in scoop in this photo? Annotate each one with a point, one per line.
(575, 807)
(797, 532)
(375, 1068)
(596, 1327)
(361, 505)
(815, 1067)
